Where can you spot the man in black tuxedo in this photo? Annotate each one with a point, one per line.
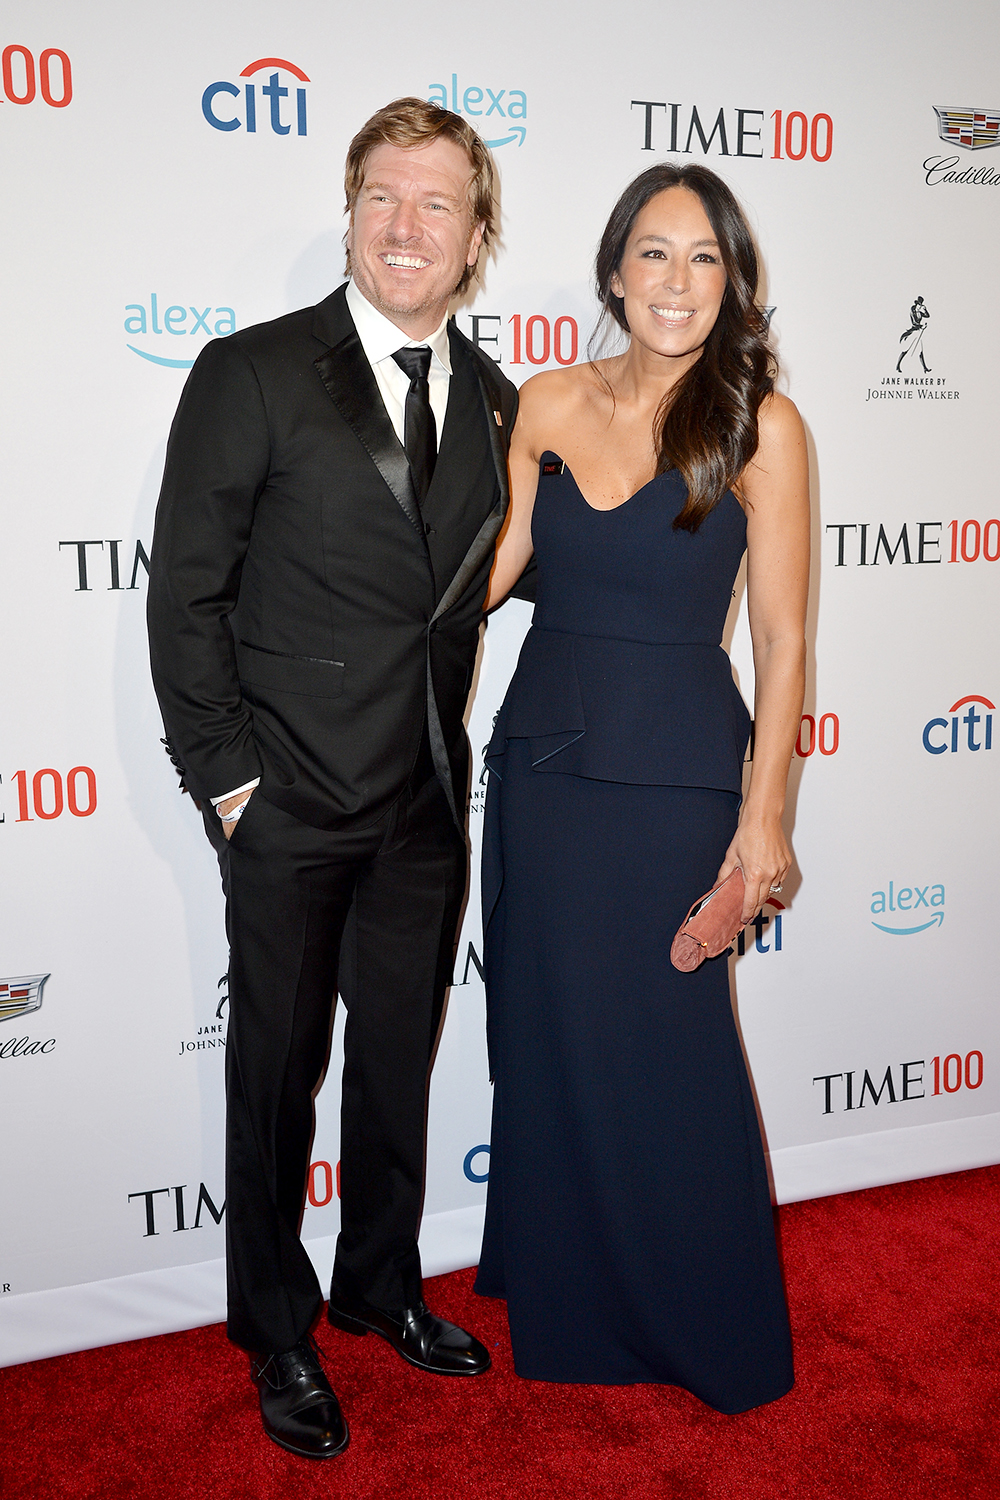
(334, 485)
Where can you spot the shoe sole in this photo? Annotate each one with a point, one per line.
(347, 1324)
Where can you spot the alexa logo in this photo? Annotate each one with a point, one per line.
(230, 106)
(958, 733)
(158, 321)
(497, 108)
(908, 909)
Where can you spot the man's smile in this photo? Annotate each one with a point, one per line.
(406, 262)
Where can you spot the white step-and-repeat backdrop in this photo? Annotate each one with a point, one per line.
(173, 172)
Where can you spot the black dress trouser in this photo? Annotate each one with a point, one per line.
(290, 889)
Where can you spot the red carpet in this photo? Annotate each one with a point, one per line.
(894, 1296)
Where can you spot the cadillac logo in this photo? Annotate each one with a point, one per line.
(18, 996)
(972, 128)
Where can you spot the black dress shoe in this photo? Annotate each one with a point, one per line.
(424, 1340)
(297, 1406)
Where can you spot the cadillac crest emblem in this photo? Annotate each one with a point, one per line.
(972, 128)
(18, 996)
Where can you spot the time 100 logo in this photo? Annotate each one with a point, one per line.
(823, 736)
(535, 340)
(46, 794)
(22, 80)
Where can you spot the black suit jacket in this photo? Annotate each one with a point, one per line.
(299, 631)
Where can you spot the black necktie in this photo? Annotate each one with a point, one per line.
(419, 430)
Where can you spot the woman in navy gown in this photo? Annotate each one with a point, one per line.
(628, 1222)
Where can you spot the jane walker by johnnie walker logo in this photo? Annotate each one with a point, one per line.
(913, 378)
(212, 1034)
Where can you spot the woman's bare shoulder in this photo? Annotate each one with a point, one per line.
(775, 483)
(779, 423)
(557, 397)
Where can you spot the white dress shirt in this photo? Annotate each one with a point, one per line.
(380, 339)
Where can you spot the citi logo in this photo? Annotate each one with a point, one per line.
(924, 905)
(941, 735)
(273, 95)
(482, 103)
(177, 320)
(476, 1165)
(761, 921)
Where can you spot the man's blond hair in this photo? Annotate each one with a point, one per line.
(416, 122)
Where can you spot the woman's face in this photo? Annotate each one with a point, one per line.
(671, 277)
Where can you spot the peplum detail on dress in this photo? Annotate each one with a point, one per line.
(642, 713)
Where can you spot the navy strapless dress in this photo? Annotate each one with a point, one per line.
(628, 1220)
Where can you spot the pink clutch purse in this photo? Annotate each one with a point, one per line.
(711, 926)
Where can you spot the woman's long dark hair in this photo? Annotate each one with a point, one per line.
(709, 420)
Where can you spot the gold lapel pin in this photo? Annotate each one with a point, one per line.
(499, 418)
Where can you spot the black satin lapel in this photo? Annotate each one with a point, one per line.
(494, 417)
(352, 387)
(439, 750)
(471, 562)
(490, 528)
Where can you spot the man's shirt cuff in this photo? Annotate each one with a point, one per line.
(236, 792)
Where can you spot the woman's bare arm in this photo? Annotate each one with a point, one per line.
(514, 549)
(775, 490)
(549, 406)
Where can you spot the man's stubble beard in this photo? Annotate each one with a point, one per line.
(411, 307)
(369, 288)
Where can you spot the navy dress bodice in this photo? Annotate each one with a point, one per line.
(622, 676)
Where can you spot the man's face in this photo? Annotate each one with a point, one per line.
(411, 233)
